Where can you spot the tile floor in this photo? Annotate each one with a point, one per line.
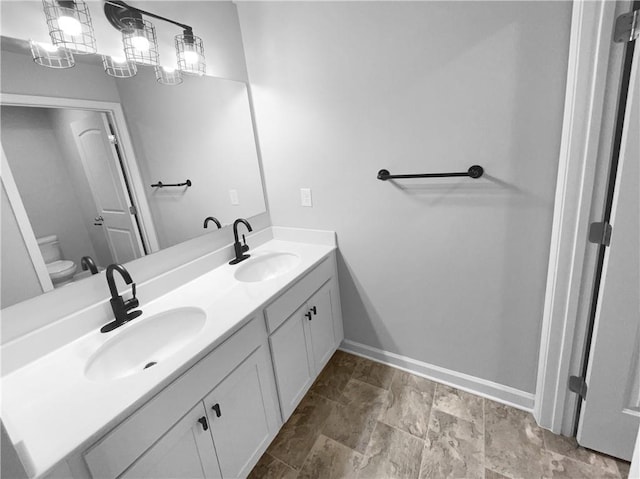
(363, 419)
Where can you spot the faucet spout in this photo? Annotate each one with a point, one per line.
(87, 263)
(239, 248)
(214, 219)
(121, 308)
(111, 281)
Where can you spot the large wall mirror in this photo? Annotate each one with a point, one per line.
(116, 180)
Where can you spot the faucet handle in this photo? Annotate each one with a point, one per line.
(131, 303)
(245, 247)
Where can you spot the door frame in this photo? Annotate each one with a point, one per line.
(572, 259)
(24, 225)
(128, 161)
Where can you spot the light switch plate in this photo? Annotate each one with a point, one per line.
(233, 195)
(305, 197)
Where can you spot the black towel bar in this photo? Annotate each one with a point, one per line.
(476, 171)
(160, 184)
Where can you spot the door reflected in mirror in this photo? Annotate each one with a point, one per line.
(66, 167)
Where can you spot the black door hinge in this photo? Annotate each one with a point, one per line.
(578, 385)
(627, 27)
(600, 233)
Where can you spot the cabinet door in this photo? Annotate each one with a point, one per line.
(243, 415)
(320, 322)
(185, 451)
(291, 354)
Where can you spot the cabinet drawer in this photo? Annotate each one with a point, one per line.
(291, 299)
(116, 451)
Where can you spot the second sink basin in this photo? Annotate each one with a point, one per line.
(265, 266)
(144, 344)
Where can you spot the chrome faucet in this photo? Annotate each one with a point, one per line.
(87, 263)
(240, 249)
(212, 218)
(119, 306)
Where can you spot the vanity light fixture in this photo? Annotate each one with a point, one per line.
(51, 56)
(168, 76)
(190, 51)
(140, 42)
(70, 27)
(119, 67)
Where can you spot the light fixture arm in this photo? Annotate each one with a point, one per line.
(114, 17)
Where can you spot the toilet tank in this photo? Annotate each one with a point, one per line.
(50, 248)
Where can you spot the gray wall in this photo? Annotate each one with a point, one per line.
(446, 271)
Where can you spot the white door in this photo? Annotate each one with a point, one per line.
(242, 415)
(101, 164)
(610, 415)
(291, 355)
(186, 450)
(320, 321)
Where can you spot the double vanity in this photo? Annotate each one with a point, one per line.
(196, 386)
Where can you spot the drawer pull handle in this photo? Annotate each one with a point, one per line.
(314, 310)
(308, 315)
(203, 421)
(216, 408)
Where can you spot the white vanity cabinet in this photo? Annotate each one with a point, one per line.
(214, 421)
(215, 417)
(306, 328)
(240, 421)
(186, 450)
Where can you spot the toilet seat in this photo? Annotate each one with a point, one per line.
(60, 269)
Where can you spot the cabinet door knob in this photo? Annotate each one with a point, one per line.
(308, 315)
(216, 408)
(203, 421)
(314, 310)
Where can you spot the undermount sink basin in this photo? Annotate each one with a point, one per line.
(266, 266)
(142, 345)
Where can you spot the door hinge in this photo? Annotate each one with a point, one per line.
(578, 385)
(600, 233)
(133, 210)
(627, 28)
(113, 140)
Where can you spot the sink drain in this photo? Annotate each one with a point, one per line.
(148, 365)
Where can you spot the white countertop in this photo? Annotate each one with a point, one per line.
(51, 409)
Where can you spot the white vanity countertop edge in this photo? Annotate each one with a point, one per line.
(51, 410)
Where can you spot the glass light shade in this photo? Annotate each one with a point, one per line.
(51, 56)
(168, 76)
(119, 67)
(140, 42)
(190, 53)
(70, 27)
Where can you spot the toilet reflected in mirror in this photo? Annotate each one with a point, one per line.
(60, 270)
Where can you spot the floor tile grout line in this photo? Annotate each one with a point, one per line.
(426, 434)
(281, 461)
(398, 429)
(484, 438)
(333, 404)
(320, 428)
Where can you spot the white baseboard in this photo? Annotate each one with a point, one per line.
(480, 387)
